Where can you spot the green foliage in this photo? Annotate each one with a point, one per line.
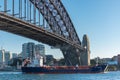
(92, 62)
(112, 68)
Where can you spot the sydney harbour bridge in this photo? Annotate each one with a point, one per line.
(46, 21)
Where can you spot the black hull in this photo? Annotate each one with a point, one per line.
(52, 70)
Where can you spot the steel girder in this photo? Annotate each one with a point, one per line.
(57, 17)
(71, 55)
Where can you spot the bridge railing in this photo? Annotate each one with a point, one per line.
(24, 10)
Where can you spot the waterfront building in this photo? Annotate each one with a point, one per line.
(105, 61)
(102, 60)
(40, 49)
(85, 55)
(7, 57)
(119, 59)
(33, 51)
(49, 60)
(28, 50)
(2, 59)
(20, 55)
(24, 51)
(97, 60)
(14, 55)
(112, 63)
(115, 58)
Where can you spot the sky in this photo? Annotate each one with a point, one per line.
(99, 19)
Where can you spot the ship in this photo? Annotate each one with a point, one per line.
(64, 69)
(36, 69)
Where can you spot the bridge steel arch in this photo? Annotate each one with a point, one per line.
(63, 33)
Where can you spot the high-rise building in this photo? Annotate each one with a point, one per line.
(85, 55)
(28, 50)
(40, 49)
(31, 50)
(7, 57)
(2, 59)
(24, 53)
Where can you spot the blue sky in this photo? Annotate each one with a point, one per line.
(99, 19)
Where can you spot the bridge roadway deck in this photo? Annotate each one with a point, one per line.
(23, 28)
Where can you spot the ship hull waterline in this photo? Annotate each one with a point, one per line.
(53, 70)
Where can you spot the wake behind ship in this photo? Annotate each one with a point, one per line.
(62, 69)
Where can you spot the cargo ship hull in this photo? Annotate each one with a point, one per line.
(65, 70)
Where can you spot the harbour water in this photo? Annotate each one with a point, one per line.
(21, 76)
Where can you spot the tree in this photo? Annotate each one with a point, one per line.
(92, 62)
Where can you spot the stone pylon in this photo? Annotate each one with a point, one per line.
(85, 54)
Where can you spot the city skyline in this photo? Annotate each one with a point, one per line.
(98, 19)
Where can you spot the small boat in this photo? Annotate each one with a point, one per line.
(63, 69)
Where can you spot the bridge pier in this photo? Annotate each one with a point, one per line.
(85, 54)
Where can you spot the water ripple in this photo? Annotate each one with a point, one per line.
(20, 76)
